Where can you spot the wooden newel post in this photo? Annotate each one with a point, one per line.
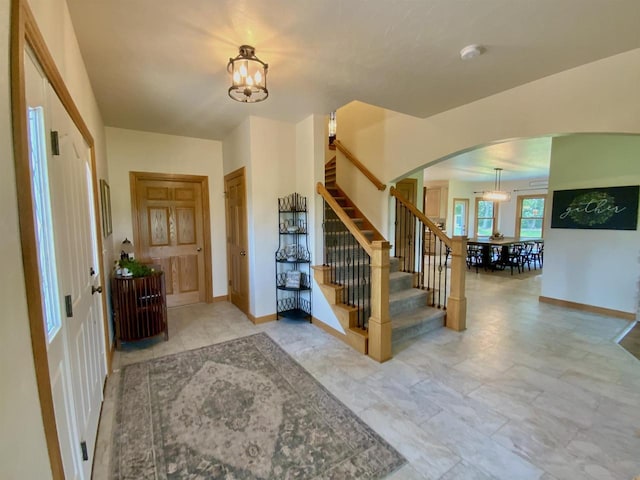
(457, 303)
(379, 323)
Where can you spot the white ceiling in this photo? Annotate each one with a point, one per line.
(519, 159)
(160, 65)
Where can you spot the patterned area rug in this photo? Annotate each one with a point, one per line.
(242, 409)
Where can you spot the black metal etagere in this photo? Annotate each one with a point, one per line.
(293, 260)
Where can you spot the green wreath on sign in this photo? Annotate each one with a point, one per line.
(593, 208)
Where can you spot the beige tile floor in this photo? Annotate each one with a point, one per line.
(529, 391)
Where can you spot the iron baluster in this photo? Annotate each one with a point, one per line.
(395, 242)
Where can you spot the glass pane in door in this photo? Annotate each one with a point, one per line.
(460, 208)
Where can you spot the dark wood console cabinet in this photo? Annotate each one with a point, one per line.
(139, 307)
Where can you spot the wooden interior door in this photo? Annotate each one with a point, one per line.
(406, 228)
(238, 262)
(171, 218)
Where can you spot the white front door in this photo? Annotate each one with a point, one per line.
(74, 327)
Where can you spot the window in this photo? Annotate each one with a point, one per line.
(486, 214)
(43, 221)
(530, 216)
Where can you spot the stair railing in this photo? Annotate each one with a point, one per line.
(359, 165)
(426, 251)
(361, 268)
(350, 262)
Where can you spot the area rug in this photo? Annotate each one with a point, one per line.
(242, 409)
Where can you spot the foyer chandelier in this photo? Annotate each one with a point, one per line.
(248, 76)
(497, 195)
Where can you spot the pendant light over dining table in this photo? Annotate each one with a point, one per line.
(497, 195)
(248, 76)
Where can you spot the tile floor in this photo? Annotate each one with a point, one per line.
(529, 391)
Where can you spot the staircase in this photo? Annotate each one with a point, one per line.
(347, 205)
(408, 306)
(411, 315)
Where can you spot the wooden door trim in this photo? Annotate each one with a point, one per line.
(134, 177)
(25, 31)
(240, 172)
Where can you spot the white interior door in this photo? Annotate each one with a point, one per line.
(460, 216)
(75, 335)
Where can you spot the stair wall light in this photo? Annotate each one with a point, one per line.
(333, 125)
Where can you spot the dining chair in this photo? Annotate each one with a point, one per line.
(496, 258)
(526, 255)
(513, 258)
(537, 253)
(474, 257)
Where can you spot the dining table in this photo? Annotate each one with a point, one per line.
(505, 242)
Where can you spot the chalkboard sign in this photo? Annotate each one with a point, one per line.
(607, 208)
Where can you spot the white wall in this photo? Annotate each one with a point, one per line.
(311, 151)
(236, 149)
(593, 267)
(362, 132)
(131, 150)
(371, 201)
(273, 176)
(23, 452)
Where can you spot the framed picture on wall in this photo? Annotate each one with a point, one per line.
(605, 208)
(105, 198)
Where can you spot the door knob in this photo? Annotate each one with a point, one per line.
(199, 249)
(243, 253)
(95, 289)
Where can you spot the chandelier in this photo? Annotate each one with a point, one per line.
(497, 195)
(248, 76)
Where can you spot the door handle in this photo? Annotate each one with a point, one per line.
(243, 253)
(199, 249)
(95, 290)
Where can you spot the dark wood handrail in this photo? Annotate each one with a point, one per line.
(358, 164)
(342, 215)
(432, 226)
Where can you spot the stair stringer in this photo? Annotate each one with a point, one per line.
(357, 338)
